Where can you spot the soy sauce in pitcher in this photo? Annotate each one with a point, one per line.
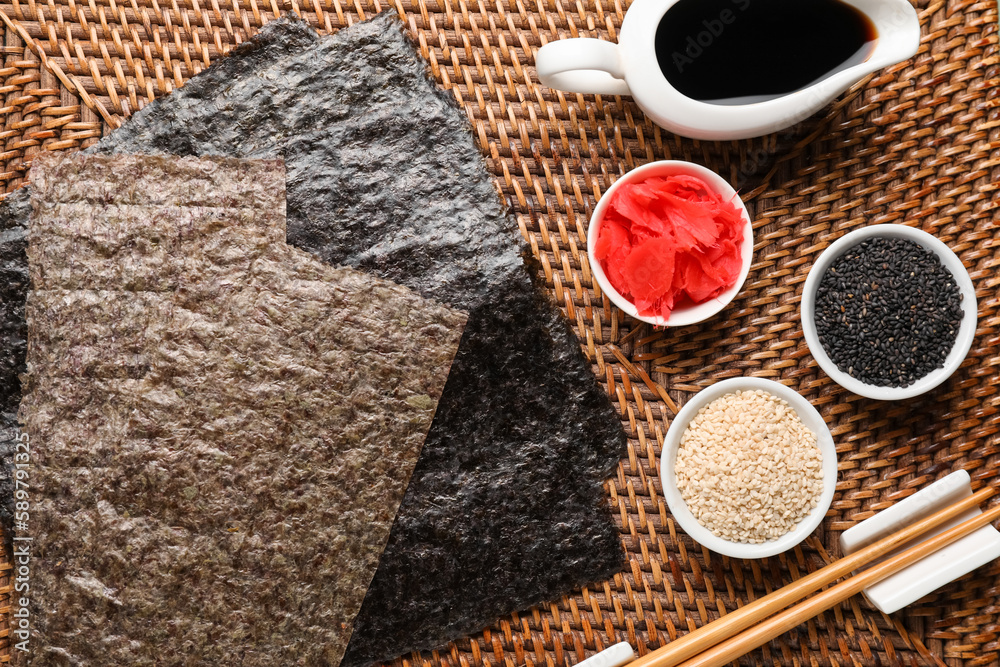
(745, 51)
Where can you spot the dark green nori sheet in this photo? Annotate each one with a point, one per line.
(14, 212)
(506, 507)
(222, 426)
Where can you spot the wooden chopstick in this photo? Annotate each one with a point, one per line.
(770, 628)
(713, 633)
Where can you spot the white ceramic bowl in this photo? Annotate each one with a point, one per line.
(966, 331)
(681, 316)
(809, 416)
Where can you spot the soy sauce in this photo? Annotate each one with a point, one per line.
(744, 51)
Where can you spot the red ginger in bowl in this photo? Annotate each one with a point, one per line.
(670, 243)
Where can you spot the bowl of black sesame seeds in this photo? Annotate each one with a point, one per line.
(889, 312)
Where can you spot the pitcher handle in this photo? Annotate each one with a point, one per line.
(582, 65)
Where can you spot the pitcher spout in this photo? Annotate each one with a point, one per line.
(898, 29)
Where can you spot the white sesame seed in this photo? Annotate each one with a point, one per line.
(749, 458)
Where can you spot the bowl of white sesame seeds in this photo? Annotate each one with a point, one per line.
(748, 468)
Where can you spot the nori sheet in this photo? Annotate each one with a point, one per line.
(506, 507)
(222, 426)
(14, 212)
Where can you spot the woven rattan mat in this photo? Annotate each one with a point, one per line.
(917, 144)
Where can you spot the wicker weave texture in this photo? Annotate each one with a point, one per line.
(917, 144)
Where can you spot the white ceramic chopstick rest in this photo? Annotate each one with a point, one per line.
(613, 656)
(930, 573)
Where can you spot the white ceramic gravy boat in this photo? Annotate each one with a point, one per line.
(629, 67)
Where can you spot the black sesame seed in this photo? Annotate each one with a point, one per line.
(888, 312)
